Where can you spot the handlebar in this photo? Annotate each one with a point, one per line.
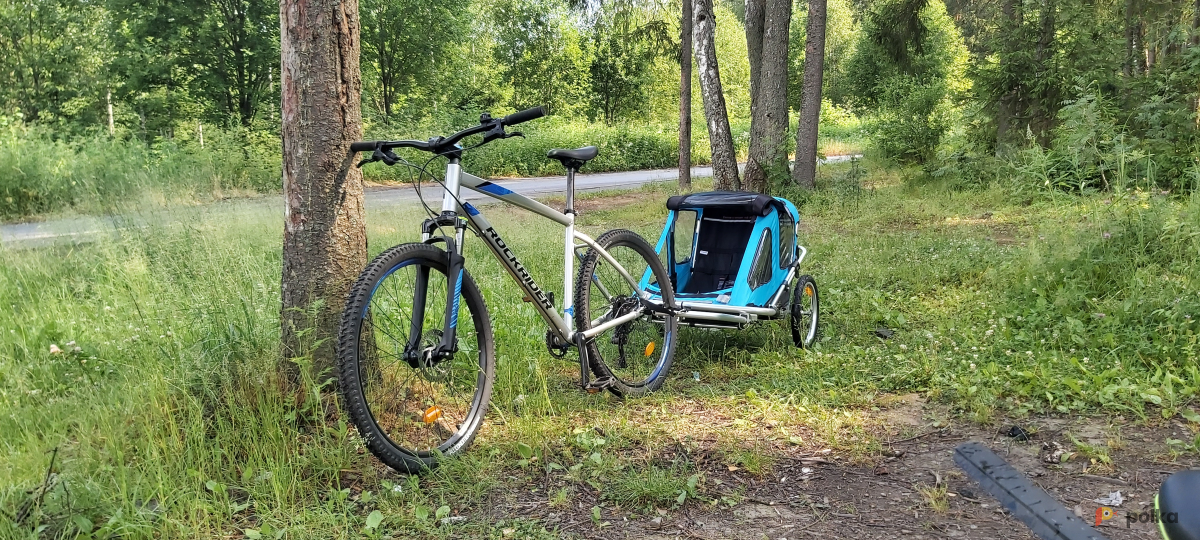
(494, 127)
(523, 116)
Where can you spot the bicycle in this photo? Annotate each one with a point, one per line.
(416, 375)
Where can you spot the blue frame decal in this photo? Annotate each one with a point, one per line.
(493, 189)
(457, 294)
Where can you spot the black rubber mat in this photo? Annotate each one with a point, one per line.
(1027, 502)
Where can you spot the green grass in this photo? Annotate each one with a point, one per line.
(169, 421)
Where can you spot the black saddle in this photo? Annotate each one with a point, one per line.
(1178, 505)
(574, 159)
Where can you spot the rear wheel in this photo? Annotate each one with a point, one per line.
(409, 407)
(805, 312)
(636, 353)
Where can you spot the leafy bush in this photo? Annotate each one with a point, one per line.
(1089, 150)
(913, 116)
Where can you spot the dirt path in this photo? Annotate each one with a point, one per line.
(892, 495)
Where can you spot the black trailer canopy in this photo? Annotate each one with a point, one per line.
(738, 201)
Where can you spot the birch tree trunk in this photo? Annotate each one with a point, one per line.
(805, 171)
(324, 236)
(724, 159)
(685, 96)
(767, 26)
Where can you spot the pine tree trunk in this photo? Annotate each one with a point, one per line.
(324, 237)
(1007, 104)
(1127, 65)
(767, 26)
(724, 158)
(805, 171)
(1045, 104)
(685, 96)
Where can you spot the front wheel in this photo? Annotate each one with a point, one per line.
(805, 312)
(637, 353)
(410, 407)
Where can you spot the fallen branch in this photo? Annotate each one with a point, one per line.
(1117, 481)
(915, 437)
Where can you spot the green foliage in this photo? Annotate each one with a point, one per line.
(410, 52)
(542, 54)
(622, 47)
(910, 91)
(215, 57)
(912, 117)
(46, 60)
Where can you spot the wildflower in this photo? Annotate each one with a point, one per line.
(1028, 353)
(903, 347)
(972, 366)
(54, 349)
(1106, 235)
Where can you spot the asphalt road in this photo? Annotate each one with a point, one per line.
(82, 228)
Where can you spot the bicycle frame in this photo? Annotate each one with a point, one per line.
(562, 325)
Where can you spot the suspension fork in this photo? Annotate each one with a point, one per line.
(446, 347)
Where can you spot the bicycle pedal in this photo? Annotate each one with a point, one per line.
(603, 383)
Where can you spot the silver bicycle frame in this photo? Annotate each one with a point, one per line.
(562, 324)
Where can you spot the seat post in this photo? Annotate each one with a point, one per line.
(570, 209)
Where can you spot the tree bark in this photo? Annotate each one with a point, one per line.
(1045, 105)
(324, 236)
(1006, 105)
(805, 171)
(720, 138)
(685, 96)
(1195, 23)
(767, 26)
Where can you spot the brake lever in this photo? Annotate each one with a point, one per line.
(386, 156)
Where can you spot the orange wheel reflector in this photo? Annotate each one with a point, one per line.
(808, 289)
(432, 414)
(649, 349)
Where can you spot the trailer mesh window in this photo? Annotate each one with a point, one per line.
(787, 239)
(761, 272)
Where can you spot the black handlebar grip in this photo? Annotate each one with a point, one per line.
(363, 146)
(523, 116)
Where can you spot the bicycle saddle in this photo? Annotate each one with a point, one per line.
(574, 159)
(1180, 495)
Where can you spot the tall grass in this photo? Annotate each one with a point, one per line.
(42, 174)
